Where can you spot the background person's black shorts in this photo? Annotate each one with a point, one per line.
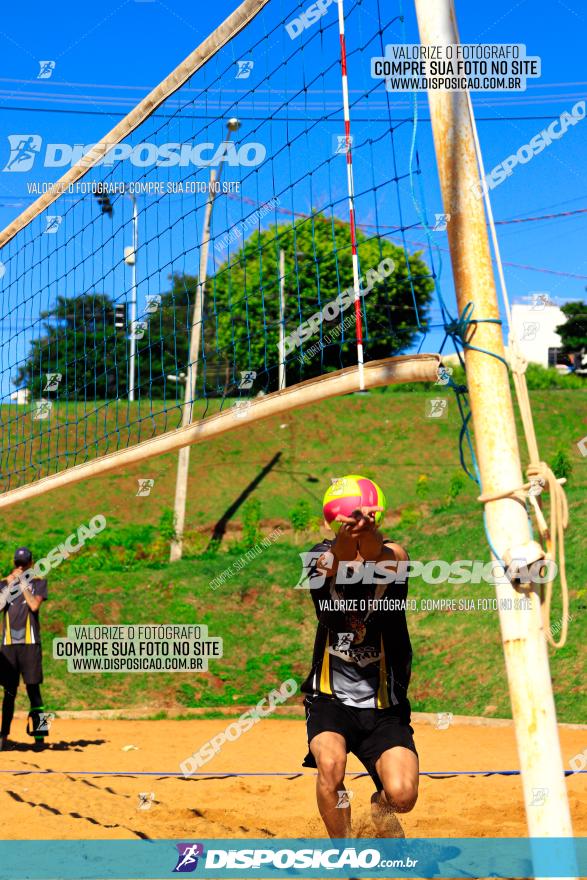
(17, 660)
(368, 732)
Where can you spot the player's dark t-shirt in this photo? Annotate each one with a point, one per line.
(21, 625)
(362, 654)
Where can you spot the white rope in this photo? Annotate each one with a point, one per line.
(552, 533)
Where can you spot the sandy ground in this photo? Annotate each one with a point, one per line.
(67, 806)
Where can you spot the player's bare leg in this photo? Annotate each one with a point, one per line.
(398, 770)
(329, 749)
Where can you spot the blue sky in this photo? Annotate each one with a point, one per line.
(109, 56)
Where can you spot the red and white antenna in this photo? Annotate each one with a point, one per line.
(351, 192)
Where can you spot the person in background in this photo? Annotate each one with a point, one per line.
(20, 651)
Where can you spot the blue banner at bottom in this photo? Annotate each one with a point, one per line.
(307, 858)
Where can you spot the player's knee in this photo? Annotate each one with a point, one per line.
(331, 769)
(401, 795)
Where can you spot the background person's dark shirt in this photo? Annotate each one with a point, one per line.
(21, 625)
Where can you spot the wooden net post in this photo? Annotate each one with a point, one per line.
(524, 642)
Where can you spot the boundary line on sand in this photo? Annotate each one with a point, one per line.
(146, 714)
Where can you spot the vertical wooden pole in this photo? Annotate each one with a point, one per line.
(191, 384)
(183, 460)
(524, 643)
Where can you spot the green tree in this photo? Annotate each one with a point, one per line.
(78, 341)
(242, 301)
(573, 332)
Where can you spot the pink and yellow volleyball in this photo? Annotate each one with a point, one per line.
(346, 494)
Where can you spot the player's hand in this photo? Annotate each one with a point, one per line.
(361, 521)
(363, 530)
(16, 583)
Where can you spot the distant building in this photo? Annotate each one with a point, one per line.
(21, 396)
(534, 326)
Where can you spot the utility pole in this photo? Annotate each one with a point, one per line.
(183, 462)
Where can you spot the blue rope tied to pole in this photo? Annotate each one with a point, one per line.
(459, 329)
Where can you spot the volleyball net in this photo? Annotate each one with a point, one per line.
(241, 231)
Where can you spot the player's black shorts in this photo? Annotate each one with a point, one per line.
(368, 732)
(17, 660)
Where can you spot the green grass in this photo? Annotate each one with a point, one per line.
(123, 575)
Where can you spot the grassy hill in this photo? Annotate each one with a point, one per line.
(273, 474)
